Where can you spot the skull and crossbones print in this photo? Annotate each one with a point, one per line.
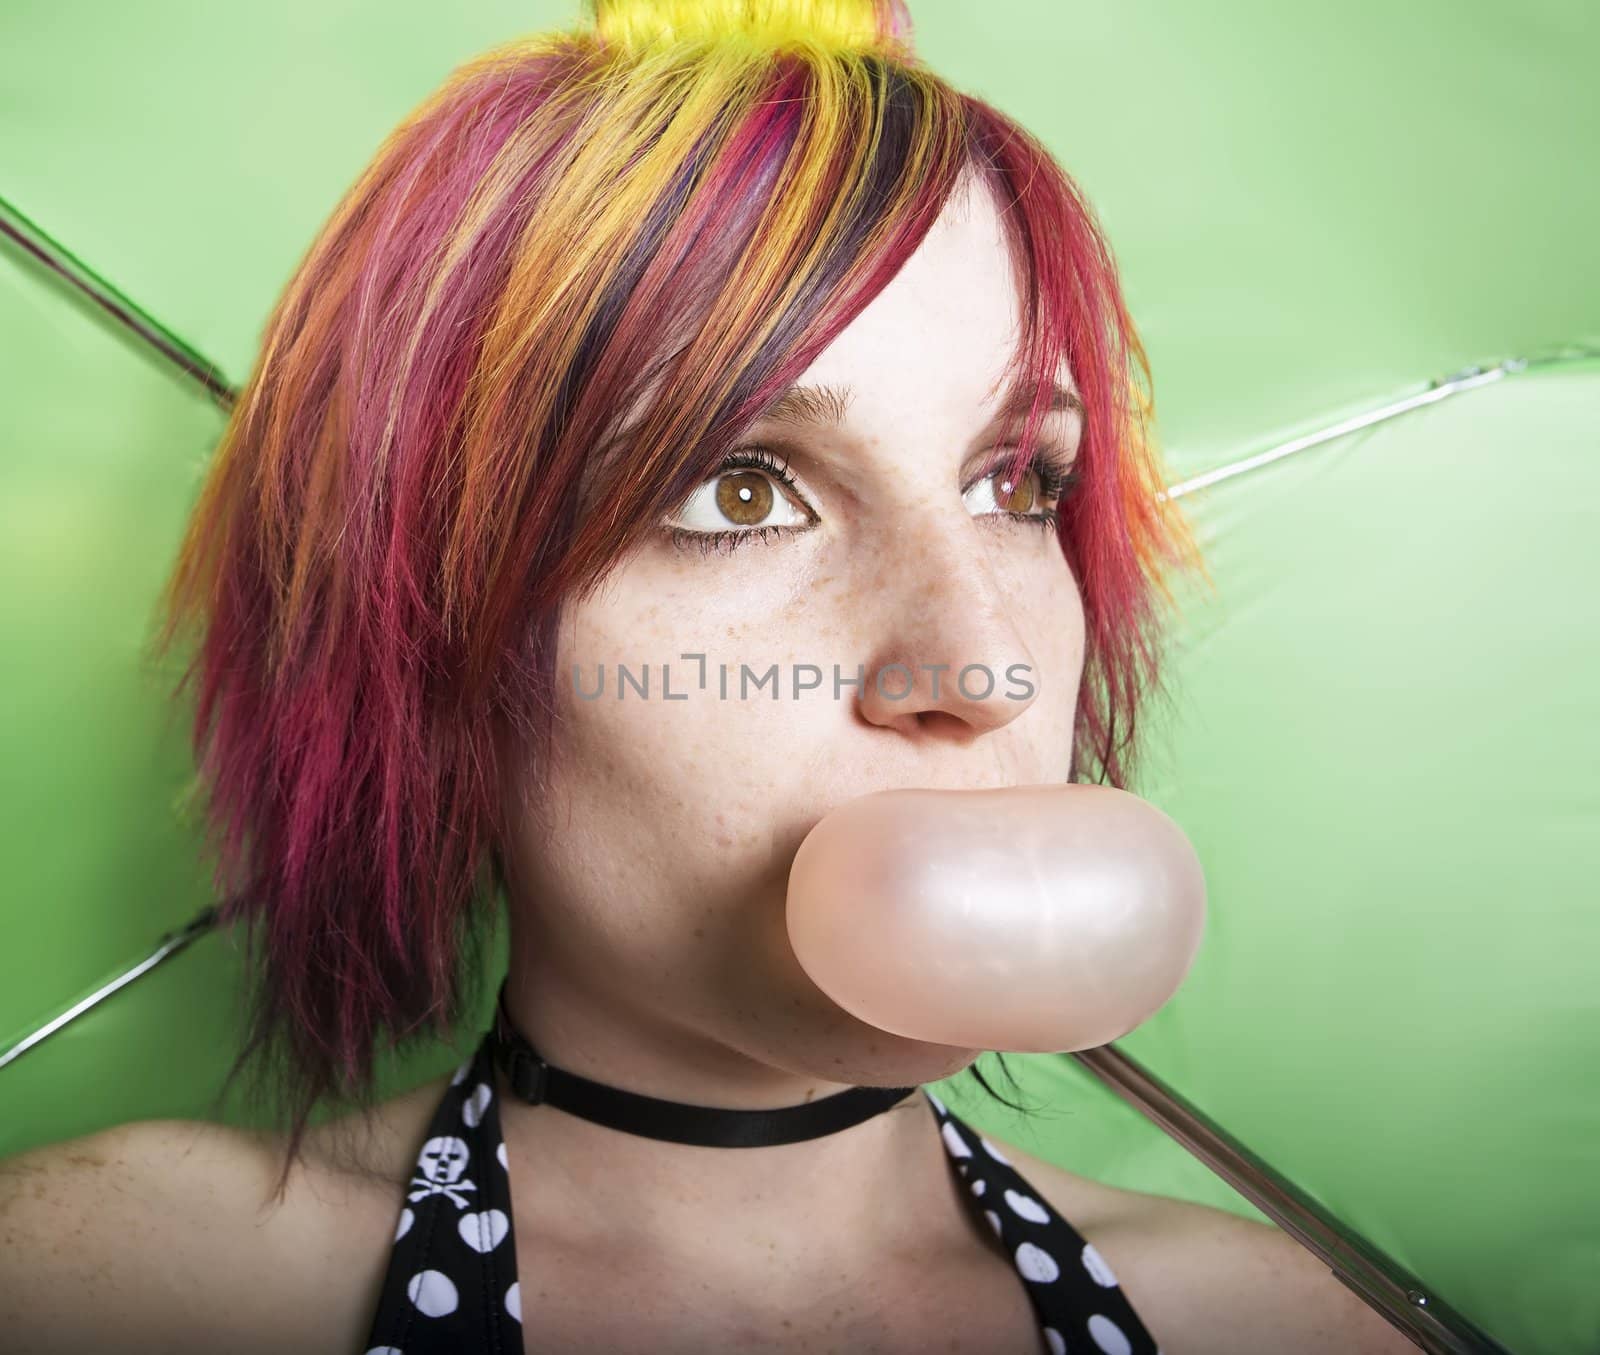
(443, 1161)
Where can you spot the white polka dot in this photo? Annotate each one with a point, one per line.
(500, 1152)
(1096, 1265)
(514, 1300)
(433, 1293)
(483, 1232)
(938, 1105)
(978, 1186)
(1025, 1206)
(473, 1107)
(953, 1141)
(461, 1074)
(1036, 1264)
(994, 1152)
(407, 1218)
(1055, 1340)
(1108, 1336)
(994, 1220)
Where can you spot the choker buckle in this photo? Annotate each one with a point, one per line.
(528, 1075)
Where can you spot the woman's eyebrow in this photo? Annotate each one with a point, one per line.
(825, 406)
(809, 407)
(1059, 399)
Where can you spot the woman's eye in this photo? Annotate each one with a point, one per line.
(998, 493)
(753, 498)
(741, 498)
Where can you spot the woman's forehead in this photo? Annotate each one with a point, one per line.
(938, 345)
(944, 331)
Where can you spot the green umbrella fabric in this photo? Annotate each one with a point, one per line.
(1383, 740)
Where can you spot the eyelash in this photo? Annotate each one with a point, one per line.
(1057, 477)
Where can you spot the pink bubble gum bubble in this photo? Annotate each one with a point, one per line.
(1036, 919)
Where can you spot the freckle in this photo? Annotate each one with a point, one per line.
(699, 931)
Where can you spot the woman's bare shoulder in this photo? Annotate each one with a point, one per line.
(1209, 1282)
(1088, 1205)
(169, 1234)
(143, 1236)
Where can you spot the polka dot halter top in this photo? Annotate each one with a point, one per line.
(452, 1278)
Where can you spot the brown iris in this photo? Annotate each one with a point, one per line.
(1013, 497)
(744, 497)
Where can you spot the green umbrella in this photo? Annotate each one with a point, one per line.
(1358, 242)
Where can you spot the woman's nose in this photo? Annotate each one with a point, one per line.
(940, 624)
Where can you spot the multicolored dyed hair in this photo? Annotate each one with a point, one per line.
(673, 209)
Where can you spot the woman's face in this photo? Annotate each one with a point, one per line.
(648, 908)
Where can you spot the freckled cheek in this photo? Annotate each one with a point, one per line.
(669, 764)
(1067, 621)
(1050, 617)
(686, 792)
(729, 610)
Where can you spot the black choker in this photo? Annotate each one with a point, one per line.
(537, 1083)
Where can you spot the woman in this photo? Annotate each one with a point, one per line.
(720, 338)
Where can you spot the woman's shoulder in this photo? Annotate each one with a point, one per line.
(170, 1234)
(1090, 1206)
(1206, 1280)
(144, 1236)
